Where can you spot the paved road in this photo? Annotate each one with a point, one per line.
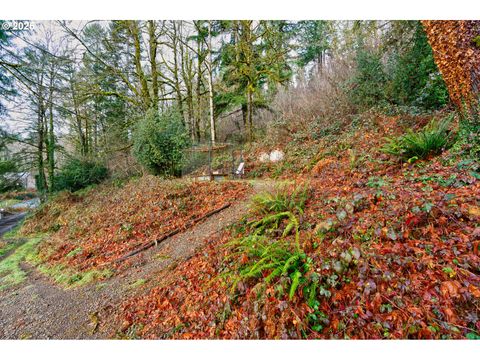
(8, 222)
(27, 204)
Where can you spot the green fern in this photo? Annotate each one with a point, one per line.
(269, 255)
(431, 140)
(297, 275)
(290, 261)
(281, 200)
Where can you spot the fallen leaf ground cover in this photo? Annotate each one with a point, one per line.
(91, 229)
(392, 249)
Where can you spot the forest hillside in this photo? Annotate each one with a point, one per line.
(240, 180)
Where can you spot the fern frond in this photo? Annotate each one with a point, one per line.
(295, 282)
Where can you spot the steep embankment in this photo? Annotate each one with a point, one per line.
(37, 307)
(386, 250)
(93, 230)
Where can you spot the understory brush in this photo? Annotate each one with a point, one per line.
(371, 251)
(261, 252)
(432, 140)
(77, 174)
(268, 256)
(468, 144)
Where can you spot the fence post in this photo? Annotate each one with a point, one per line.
(210, 160)
(233, 164)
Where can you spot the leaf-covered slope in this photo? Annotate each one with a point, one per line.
(97, 227)
(393, 247)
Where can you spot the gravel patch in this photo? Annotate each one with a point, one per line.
(39, 309)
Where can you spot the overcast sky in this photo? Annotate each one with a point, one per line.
(17, 117)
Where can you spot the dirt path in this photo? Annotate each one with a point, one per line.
(39, 309)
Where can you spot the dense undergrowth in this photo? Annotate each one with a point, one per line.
(87, 231)
(378, 247)
(327, 138)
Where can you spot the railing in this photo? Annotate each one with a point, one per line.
(207, 162)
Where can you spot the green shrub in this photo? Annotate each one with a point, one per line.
(159, 142)
(468, 144)
(476, 41)
(431, 140)
(404, 75)
(368, 86)
(415, 78)
(77, 174)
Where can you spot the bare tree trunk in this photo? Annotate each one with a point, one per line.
(188, 78)
(135, 33)
(78, 120)
(198, 117)
(320, 62)
(51, 145)
(191, 117)
(246, 47)
(87, 136)
(250, 113)
(244, 116)
(41, 180)
(95, 134)
(210, 84)
(50, 136)
(153, 62)
(176, 77)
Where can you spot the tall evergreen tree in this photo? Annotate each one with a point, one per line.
(255, 55)
(313, 42)
(6, 81)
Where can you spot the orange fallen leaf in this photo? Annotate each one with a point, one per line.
(474, 210)
(474, 290)
(450, 288)
(450, 314)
